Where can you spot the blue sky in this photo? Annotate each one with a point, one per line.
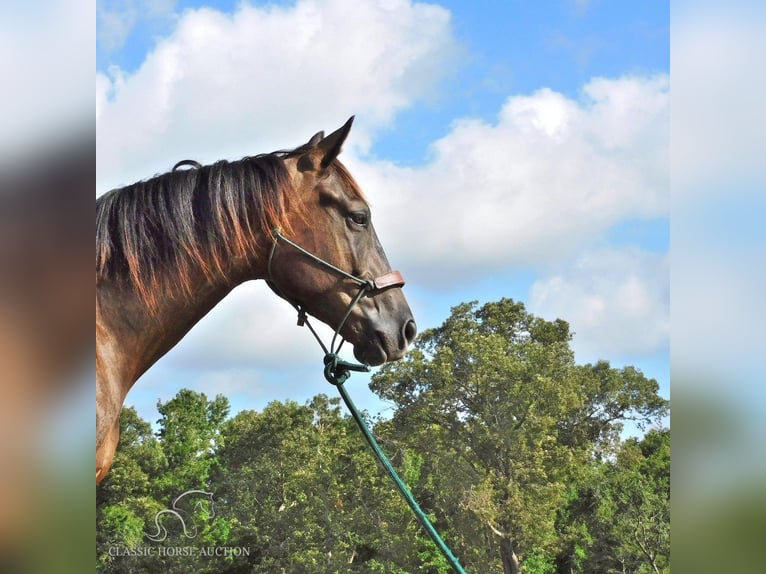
(569, 95)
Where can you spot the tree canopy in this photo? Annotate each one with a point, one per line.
(513, 449)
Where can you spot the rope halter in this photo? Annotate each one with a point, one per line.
(336, 370)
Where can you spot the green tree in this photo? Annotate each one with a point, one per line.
(305, 495)
(632, 520)
(616, 517)
(149, 473)
(124, 501)
(495, 403)
(190, 426)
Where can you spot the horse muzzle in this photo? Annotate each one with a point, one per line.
(384, 338)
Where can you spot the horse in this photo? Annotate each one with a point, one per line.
(170, 248)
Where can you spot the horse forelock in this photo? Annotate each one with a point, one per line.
(156, 234)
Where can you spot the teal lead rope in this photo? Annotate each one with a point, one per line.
(337, 372)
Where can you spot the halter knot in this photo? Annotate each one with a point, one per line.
(337, 371)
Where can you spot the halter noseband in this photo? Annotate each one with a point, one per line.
(336, 370)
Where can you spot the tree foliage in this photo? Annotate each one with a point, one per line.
(496, 394)
(513, 450)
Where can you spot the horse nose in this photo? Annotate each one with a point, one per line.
(409, 331)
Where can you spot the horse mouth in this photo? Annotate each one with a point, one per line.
(372, 355)
(378, 350)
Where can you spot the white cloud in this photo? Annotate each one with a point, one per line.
(550, 176)
(616, 301)
(228, 85)
(534, 189)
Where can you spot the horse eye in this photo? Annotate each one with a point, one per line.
(359, 218)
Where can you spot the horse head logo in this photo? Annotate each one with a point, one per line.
(205, 499)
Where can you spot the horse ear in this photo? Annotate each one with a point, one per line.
(315, 139)
(323, 150)
(331, 145)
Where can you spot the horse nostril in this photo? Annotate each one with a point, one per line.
(410, 330)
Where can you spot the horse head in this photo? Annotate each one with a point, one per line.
(333, 223)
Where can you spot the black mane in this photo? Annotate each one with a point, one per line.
(153, 233)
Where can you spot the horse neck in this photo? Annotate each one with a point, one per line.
(134, 337)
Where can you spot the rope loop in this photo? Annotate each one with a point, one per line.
(337, 371)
